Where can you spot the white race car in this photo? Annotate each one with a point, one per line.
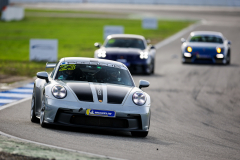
(91, 93)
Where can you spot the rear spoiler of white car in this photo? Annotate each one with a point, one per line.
(50, 65)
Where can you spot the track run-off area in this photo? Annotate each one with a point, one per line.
(195, 107)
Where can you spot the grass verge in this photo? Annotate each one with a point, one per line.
(18, 150)
(76, 37)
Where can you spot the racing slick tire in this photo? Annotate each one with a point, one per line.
(150, 69)
(32, 112)
(139, 134)
(228, 58)
(153, 68)
(42, 115)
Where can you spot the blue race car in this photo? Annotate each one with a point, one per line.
(206, 47)
(131, 50)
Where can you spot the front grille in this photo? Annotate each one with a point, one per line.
(128, 57)
(203, 60)
(99, 121)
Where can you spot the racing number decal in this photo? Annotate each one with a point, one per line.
(65, 67)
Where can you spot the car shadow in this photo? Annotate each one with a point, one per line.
(212, 64)
(109, 133)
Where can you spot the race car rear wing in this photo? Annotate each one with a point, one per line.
(50, 65)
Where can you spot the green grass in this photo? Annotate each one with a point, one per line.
(76, 37)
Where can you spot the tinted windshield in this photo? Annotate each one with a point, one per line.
(206, 38)
(125, 43)
(94, 73)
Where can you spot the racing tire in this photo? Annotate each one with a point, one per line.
(139, 134)
(228, 59)
(33, 117)
(42, 115)
(150, 69)
(153, 68)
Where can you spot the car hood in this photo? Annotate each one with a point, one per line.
(122, 51)
(97, 92)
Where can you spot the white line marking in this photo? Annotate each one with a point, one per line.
(21, 90)
(14, 103)
(14, 95)
(178, 35)
(7, 100)
(29, 86)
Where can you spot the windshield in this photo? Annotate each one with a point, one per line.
(125, 43)
(206, 38)
(94, 73)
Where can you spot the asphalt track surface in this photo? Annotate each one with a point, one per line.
(195, 111)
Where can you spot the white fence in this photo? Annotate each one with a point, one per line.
(233, 3)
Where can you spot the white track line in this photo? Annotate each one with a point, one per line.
(178, 35)
(17, 95)
(21, 90)
(158, 45)
(14, 103)
(7, 100)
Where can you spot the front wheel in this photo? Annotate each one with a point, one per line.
(228, 59)
(139, 134)
(150, 69)
(42, 115)
(32, 112)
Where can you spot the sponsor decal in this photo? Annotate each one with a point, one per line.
(65, 67)
(102, 113)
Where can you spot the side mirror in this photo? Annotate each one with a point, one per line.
(152, 47)
(98, 45)
(143, 84)
(43, 75)
(183, 40)
(148, 41)
(229, 42)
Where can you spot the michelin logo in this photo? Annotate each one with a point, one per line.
(100, 113)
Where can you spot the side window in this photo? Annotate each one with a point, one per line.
(54, 70)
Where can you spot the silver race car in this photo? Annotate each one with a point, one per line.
(206, 47)
(91, 93)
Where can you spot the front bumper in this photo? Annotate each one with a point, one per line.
(129, 118)
(203, 59)
(133, 62)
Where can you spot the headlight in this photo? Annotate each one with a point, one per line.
(102, 54)
(139, 98)
(186, 54)
(219, 55)
(144, 55)
(189, 49)
(59, 91)
(219, 50)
